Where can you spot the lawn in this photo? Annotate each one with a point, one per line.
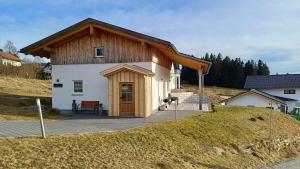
(18, 98)
(185, 143)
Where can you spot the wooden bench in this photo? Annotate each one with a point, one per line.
(91, 105)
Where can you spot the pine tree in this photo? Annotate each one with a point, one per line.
(226, 72)
(260, 67)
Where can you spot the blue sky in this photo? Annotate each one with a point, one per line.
(253, 29)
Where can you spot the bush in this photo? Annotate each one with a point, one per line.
(28, 71)
(53, 111)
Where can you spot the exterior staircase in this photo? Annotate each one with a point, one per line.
(188, 101)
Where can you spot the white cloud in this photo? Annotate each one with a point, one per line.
(248, 29)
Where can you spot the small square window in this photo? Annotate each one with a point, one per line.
(99, 52)
(78, 86)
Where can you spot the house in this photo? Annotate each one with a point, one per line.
(9, 59)
(283, 90)
(128, 72)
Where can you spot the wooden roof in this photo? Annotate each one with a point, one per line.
(43, 47)
(9, 56)
(127, 67)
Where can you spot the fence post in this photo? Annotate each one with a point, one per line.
(270, 130)
(38, 102)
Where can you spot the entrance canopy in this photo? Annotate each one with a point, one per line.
(129, 90)
(126, 67)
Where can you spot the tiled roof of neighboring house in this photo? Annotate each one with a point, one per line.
(9, 56)
(273, 81)
(266, 95)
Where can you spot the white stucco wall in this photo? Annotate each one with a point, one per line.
(252, 100)
(95, 86)
(161, 85)
(280, 92)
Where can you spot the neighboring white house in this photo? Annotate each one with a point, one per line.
(257, 98)
(285, 88)
(9, 59)
(128, 72)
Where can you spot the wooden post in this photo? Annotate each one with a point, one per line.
(200, 88)
(179, 82)
(38, 102)
(270, 132)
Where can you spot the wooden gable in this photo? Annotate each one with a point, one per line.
(75, 45)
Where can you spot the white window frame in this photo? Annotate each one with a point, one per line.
(100, 56)
(74, 92)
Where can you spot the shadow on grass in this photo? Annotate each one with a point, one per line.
(21, 107)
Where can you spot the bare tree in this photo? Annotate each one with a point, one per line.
(10, 48)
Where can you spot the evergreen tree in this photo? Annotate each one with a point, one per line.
(250, 68)
(226, 72)
(260, 67)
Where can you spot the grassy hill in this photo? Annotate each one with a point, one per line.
(17, 97)
(25, 87)
(187, 143)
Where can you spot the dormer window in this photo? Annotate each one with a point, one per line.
(99, 52)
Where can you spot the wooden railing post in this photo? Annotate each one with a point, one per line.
(200, 88)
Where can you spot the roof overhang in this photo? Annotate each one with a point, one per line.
(126, 67)
(44, 48)
(258, 93)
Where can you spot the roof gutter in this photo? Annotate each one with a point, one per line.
(172, 46)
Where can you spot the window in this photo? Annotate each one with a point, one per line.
(78, 87)
(99, 52)
(289, 91)
(126, 92)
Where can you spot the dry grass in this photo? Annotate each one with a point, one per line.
(215, 94)
(17, 98)
(25, 87)
(181, 144)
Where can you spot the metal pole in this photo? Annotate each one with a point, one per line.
(270, 132)
(176, 109)
(202, 91)
(38, 102)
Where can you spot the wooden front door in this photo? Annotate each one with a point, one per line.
(126, 99)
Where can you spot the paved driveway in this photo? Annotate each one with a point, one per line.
(85, 124)
(290, 164)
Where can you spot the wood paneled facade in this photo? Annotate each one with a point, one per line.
(117, 49)
(142, 92)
